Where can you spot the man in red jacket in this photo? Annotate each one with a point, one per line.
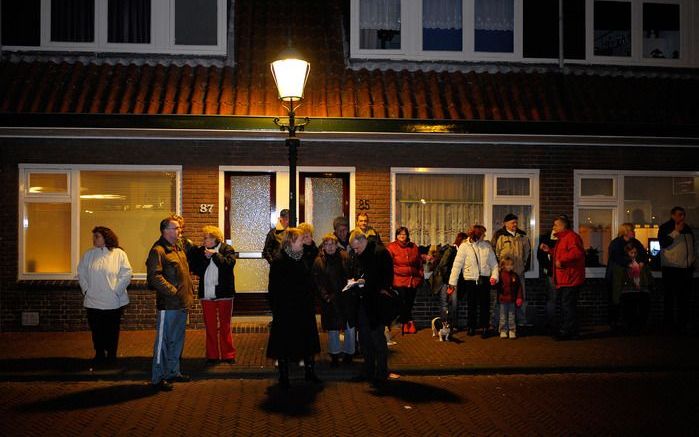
(568, 263)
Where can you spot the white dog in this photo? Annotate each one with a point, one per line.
(440, 328)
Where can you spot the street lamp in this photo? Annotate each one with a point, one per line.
(290, 72)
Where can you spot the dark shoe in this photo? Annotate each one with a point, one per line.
(284, 374)
(347, 359)
(334, 360)
(471, 332)
(230, 360)
(179, 378)
(485, 334)
(163, 385)
(359, 378)
(310, 373)
(211, 362)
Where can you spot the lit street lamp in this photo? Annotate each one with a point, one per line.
(290, 73)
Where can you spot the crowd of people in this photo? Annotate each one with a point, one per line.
(363, 287)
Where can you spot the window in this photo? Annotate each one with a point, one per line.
(612, 28)
(65, 204)
(642, 198)
(541, 32)
(379, 24)
(441, 25)
(493, 27)
(129, 21)
(436, 204)
(147, 26)
(661, 30)
(21, 23)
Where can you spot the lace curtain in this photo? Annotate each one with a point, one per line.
(494, 15)
(441, 14)
(379, 14)
(436, 207)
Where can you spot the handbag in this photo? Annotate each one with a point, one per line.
(389, 306)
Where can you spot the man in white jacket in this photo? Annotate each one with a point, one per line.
(475, 261)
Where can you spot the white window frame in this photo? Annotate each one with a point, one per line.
(490, 198)
(615, 202)
(73, 198)
(162, 38)
(411, 37)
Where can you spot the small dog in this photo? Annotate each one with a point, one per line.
(440, 328)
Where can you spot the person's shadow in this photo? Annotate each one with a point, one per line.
(97, 397)
(296, 401)
(416, 393)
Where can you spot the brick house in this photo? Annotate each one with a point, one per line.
(421, 118)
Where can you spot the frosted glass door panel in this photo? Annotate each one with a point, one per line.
(323, 200)
(249, 224)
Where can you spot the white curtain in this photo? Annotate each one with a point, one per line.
(379, 14)
(494, 15)
(441, 14)
(435, 208)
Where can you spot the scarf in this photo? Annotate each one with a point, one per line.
(211, 278)
(296, 256)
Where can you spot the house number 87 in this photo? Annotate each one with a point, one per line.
(206, 208)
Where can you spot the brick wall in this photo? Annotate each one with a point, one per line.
(59, 303)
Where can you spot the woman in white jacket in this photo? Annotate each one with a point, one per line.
(104, 273)
(475, 260)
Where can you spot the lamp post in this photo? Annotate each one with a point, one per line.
(290, 72)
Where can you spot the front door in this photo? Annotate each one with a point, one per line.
(323, 196)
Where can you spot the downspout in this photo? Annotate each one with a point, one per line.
(561, 58)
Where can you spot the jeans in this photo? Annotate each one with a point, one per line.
(347, 346)
(678, 287)
(374, 348)
(569, 316)
(449, 306)
(169, 342)
(507, 322)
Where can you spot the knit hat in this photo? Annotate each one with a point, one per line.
(509, 217)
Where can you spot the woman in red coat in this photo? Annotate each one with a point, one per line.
(407, 275)
(568, 263)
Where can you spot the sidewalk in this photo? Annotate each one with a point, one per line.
(66, 355)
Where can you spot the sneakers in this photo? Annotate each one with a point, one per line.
(513, 335)
(503, 334)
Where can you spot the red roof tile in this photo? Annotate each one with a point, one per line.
(336, 90)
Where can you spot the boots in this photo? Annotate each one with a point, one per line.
(284, 374)
(310, 372)
(411, 327)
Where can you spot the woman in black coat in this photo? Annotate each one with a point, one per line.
(213, 263)
(294, 334)
(330, 273)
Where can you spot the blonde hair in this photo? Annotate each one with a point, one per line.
(214, 232)
(506, 260)
(357, 234)
(290, 235)
(624, 229)
(177, 218)
(329, 236)
(306, 228)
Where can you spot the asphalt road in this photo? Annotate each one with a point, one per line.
(651, 403)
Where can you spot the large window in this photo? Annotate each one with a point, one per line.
(625, 32)
(436, 204)
(59, 207)
(148, 26)
(604, 200)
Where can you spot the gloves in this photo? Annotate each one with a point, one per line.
(493, 281)
(518, 302)
(450, 290)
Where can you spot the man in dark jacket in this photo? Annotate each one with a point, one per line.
(677, 258)
(274, 236)
(168, 274)
(373, 268)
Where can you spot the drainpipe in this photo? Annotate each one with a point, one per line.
(561, 57)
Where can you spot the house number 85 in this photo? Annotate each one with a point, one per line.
(206, 208)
